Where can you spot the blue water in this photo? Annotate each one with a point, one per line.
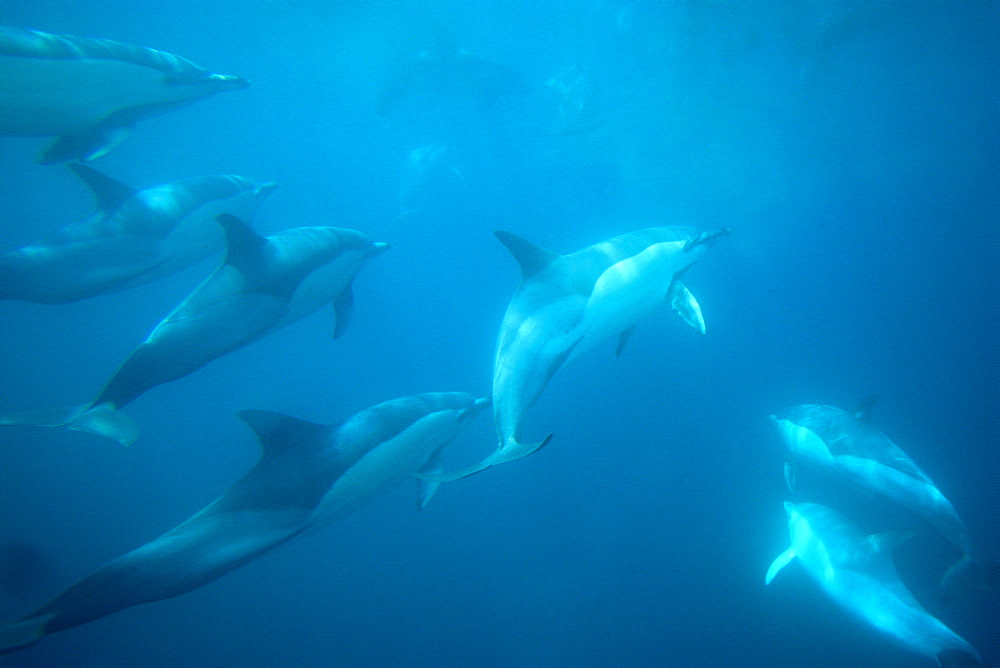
(851, 146)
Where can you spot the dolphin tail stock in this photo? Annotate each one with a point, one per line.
(511, 451)
(101, 420)
(968, 574)
(22, 633)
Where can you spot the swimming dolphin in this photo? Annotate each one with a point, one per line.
(134, 237)
(566, 304)
(88, 93)
(309, 475)
(857, 572)
(264, 284)
(847, 446)
(449, 72)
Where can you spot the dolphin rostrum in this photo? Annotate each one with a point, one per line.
(568, 303)
(134, 237)
(264, 284)
(88, 92)
(309, 475)
(857, 572)
(848, 446)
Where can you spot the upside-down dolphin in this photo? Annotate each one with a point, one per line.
(857, 572)
(566, 304)
(264, 284)
(309, 475)
(88, 92)
(848, 446)
(134, 237)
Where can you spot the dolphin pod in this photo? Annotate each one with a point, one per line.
(134, 237)
(263, 285)
(847, 446)
(566, 304)
(308, 475)
(857, 572)
(88, 93)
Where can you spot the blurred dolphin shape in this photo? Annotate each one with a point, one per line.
(848, 446)
(309, 475)
(857, 572)
(134, 237)
(264, 284)
(88, 93)
(450, 72)
(566, 304)
(575, 94)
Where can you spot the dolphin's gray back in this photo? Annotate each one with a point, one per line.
(38, 44)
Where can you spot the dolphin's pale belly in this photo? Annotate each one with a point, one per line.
(43, 97)
(321, 287)
(626, 292)
(388, 464)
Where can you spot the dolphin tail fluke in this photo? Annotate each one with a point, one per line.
(22, 633)
(100, 420)
(511, 451)
(970, 574)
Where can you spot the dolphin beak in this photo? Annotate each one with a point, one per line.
(265, 189)
(231, 80)
(707, 237)
(378, 248)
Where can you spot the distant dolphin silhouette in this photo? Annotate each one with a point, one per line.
(263, 285)
(857, 572)
(309, 475)
(847, 446)
(134, 237)
(88, 93)
(566, 304)
(449, 72)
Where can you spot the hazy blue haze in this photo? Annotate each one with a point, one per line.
(852, 147)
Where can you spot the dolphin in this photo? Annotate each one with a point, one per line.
(264, 284)
(134, 237)
(857, 572)
(88, 93)
(566, 304)
(847, 446)
(447, 71)
(309, 475)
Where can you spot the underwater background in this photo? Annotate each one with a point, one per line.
(852, 147)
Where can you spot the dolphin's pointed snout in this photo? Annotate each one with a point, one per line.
(379, 247)
(265, 189)
(707, 237)
(231, 81)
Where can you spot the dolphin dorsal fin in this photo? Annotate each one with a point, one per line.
(864, 410)
(532, 258)
(279, 433)
(888, 541)
(110, 193)
(245, 248)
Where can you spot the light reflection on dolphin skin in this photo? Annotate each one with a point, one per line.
(566, 304)
(88, 93)
(849, 447)
(857, 572)
(309, 475)
(264, 284)
(134, 237)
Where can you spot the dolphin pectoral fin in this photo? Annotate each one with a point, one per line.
(623, 340)
(887, 541)
(790, 477)
(970, 574)
(22, 633)
(343, 308)
(100, 420)
(427, 486)
(780, 562)
(514, 450)
(110, 194)
(682, 301)
(86, 146)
